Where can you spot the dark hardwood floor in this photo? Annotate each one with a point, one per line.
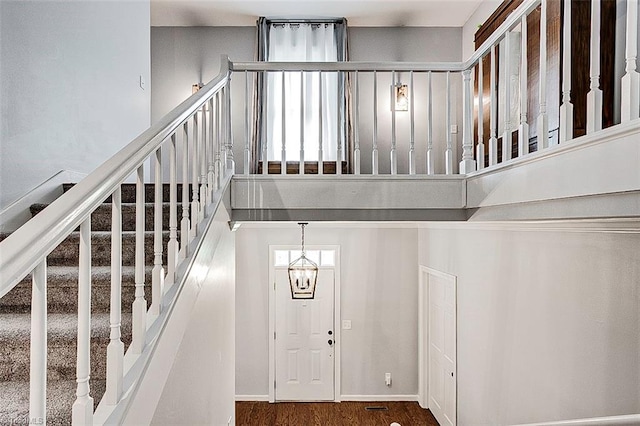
(332, 413)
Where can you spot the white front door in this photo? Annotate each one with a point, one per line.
(442, 347)
(304, 341)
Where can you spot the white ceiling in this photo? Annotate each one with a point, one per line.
(360, 13)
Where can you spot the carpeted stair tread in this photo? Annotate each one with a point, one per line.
(101, 217)
(59, 326)
(14, 409)
(66, 253)
(128, 191)
(62, 287)
(61, 338)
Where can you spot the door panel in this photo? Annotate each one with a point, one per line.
(304, 357)
(442, 348)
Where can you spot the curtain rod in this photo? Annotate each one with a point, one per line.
(306, 21)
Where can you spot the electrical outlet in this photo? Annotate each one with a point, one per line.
(346, 324)
(387, 379)
(454, 129)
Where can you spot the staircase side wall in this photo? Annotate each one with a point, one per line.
(191, 377)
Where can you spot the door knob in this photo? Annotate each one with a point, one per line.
(330, 342)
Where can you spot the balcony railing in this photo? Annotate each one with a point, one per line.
(374, 139)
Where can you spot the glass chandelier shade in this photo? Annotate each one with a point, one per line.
(303, 275)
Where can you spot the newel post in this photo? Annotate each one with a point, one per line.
(468, 164)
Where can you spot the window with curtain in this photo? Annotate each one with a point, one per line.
(313, 105)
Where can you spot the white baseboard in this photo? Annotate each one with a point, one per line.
(17, 213)
(625, 420)
(379, 398)
(252, 398)
(362, 398)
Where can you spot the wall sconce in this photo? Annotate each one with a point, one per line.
(400, 97)
(196, 87)
(303, 275)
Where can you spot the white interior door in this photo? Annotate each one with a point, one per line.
(442, 347)
(304, 341)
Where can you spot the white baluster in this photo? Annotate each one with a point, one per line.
(139, 308)
(543, 119)
(631, 80)
(594, 96)
(356, 124)
(523, 128)
(493, 137)
(340, 103)
(204, 199)
(184, 223)
(480, 146)
(248, 124)
(506, 136)
(566, 109)
(157, 275)
(412, 131)
(195, 203)
(82, 410)
(218, 144)
(263, 123)
(115, 349)
(374, 153)
(468, 164)
(38, 349)
(393, 156)
(283, 159)
(230, 163)
(448, 154)
(172, 245)
(320, 150)
(212, 172)
(302, 124)
(430, 159)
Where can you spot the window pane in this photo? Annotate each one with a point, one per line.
(314, 256)
(328, 258)
(281, 258)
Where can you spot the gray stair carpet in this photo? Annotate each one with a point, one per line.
(62, 302)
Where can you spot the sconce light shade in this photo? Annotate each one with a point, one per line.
(303, 275)
(401, 97)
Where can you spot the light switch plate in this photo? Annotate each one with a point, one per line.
(346, 324)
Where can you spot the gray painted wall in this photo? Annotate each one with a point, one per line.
(182, 56)
(70, 88)
(379, 275)
(548, 321)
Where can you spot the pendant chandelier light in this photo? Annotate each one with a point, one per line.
(303, 275)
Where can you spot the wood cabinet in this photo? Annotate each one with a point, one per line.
(580, 80)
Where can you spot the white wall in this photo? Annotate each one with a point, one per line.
(548, 321)
(190, 376)
(70, 88)
(379, 290)
(182, 56)
(200, 386)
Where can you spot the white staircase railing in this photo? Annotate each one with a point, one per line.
(377, 139)
(198, 124)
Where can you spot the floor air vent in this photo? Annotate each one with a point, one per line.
(376, 408)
